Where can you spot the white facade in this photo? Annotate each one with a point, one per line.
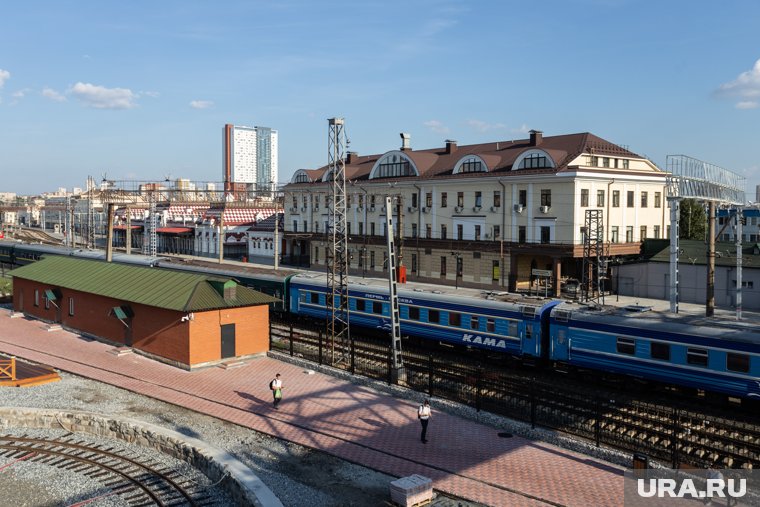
(250, 156)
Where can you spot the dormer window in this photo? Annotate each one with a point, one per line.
(470, 164)
(393, 165)
(534, 161)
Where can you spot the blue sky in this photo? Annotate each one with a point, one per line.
(141, 89)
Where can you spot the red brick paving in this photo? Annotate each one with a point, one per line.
(462, 457)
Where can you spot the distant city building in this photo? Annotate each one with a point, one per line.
(757, 193)
(250, 160)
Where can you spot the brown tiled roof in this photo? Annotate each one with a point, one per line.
(499, 156)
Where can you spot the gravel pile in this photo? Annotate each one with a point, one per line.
(296, 475)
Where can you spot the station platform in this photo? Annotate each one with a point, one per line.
(355, 423)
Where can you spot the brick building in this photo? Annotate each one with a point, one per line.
(181, 318)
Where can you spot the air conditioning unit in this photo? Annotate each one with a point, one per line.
(495, 209)
(425, 209)
(412, 209)
(476, 209)
(518, 208)
(372, 208)
(303, 210)
(316, 208)
(458, 209)
(487, 235)
(294, 210)
(544, 209)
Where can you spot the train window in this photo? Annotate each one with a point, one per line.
(434, 316)
(455, 319)
(528, 332)
(359, 305)
(513, 329)
(377, 307)
(315, 298)
(659, 351)
(490, 325)
(626, 346)
(474, 323)
(36, 297)
(697, 357)
(71, 306)
(737, 362)
(414, 313)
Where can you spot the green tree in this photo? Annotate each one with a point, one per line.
(692, 220)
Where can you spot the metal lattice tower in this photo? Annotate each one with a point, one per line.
(594, 261)
(90, 241)
(398, 362)
(150, 243)
(69, 222)
(337, 253)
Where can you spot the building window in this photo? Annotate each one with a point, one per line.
(659, 351)
(497, 199)
(460, 232)
(616, 198)
(644, 199)
(372, 260)
(534, 161)
(643, 232)
(36, 297)
(657, 200)
(361, 200)
(477, 233)
(443, 265)
(372, 229)
(605, 161)
(600, 198)
(629, 234)
(625, 163)
(414, 263)
(495, 271)
(626, 346)
(656, 232)
(460, 199)
(594, 161)
(521, 234)
(393, 166)
(361, 228)
(414, 230)
(584, 198)
(546, 197)
(414, 200)
(295, 225)
(545, 234)
(522, 198)
(428, 231)
(629, 202)
(471, 165)
(429, 199)
(444, 200)
(479, 199)
(71, 307)
(316, 254)
(443, 231)
(496, 231)
(372, 201)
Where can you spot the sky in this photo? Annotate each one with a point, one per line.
(141, 90)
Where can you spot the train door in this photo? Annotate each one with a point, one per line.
(228, 340)
(545, 336)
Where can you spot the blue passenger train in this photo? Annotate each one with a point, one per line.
(698, 352)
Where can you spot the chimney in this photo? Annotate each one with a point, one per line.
(536, 136)
(405, 144)
(352, 157)
(451, 146)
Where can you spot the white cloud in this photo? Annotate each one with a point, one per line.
(523, 129)
(100, 97)
(747, 104)
(151, 94)
(436, 126)
(19, 94)
(201, 104)
(4, 76)
(482, 126)
(746, 87)
(53, 95)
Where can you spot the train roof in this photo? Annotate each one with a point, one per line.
(431, 291)
(645, 317)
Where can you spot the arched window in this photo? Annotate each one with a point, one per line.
(393, 165)
(534, 159)
(470, 164)
(301, 177)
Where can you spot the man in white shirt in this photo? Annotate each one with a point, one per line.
(276, 386)
(423, 414)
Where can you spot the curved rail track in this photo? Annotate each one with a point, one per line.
(138, 483)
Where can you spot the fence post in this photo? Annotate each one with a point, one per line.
(291, 339)
(532, 402)
(674, 431)
(478, 381)
(390, 364)
(353, 355)
(598, 424)
(430, 375)
(320, 347)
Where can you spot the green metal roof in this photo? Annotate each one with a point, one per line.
(162, 288)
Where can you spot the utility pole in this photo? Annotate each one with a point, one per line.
(398, 362)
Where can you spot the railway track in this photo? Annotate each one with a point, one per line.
(674, 432)
(136, 481)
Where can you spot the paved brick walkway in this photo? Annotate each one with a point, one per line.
(462, 457)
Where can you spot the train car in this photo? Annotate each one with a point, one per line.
(499, 322)
(24, 253)
(6, 251)
(692, 351)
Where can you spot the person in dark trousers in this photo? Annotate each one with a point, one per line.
(276, 386)
(423, 414)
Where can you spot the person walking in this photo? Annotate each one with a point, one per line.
(423, 414)
(276, 386)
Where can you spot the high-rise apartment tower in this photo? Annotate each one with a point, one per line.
(250, 159)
